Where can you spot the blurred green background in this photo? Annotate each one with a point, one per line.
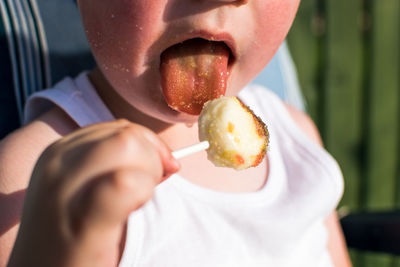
(347, 54)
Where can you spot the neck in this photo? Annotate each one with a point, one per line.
(175, 135)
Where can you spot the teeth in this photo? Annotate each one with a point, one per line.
(238, 139)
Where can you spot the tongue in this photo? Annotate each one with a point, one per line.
(192, 73)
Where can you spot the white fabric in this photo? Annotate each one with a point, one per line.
(76, 97)
(188, 225)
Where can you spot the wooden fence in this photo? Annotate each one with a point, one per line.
(348, 61)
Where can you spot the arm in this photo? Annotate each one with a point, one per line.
(18, 153)
(81, 191)
(336, 243)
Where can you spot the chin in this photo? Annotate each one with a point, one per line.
(179, 117)
(164, 113)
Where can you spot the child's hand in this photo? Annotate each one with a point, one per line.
(82, 190)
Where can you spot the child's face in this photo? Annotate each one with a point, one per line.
(127, 38)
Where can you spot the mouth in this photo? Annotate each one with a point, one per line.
(224, 38)
(195, 71)
(226, 43)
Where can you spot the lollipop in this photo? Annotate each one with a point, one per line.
(234, 136)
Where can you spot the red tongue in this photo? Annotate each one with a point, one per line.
(194, 72)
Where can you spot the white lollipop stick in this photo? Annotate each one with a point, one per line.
(186, 151)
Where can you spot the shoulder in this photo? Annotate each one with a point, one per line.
(305, 123)
(256, 95)
(20, 149)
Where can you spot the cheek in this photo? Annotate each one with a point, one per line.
(273, 19)
(118, 31)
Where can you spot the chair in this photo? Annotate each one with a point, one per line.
(44, 42)
(373, 231)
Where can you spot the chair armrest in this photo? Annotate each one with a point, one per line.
(373, 231)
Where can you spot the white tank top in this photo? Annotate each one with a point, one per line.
(187, 225)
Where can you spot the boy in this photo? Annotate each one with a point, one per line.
(87, 181)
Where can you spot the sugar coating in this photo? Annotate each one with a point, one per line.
(238, 139)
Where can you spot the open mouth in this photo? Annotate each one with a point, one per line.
(193, 41)
(194, 72)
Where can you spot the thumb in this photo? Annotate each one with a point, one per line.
(170, 164)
